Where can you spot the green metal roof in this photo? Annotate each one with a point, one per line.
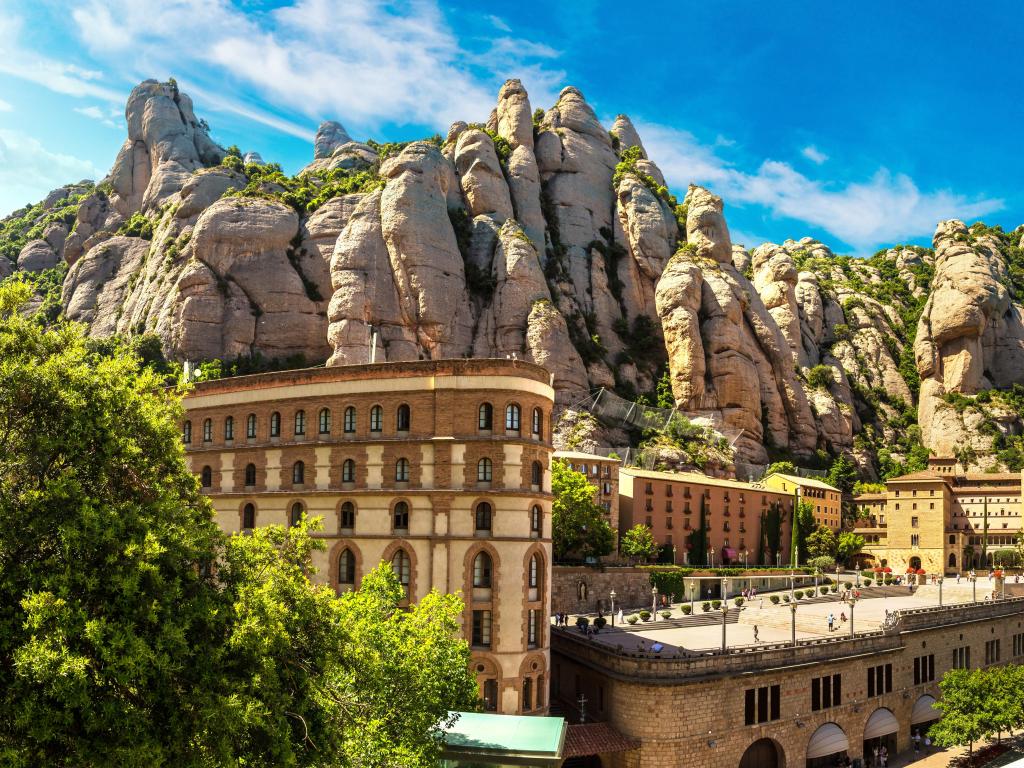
(508, 739)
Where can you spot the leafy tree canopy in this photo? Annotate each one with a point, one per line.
(821, 542)
(578, 525)
(848, 544)
(134, 633)
(638, 542)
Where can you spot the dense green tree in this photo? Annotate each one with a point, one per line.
(785, 467)
(134, 633)
(821, 542)
(639, 542)
(979, 703)
(578, 524)
(848, 544)
(843, 474)
(803, 526)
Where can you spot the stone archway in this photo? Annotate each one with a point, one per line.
(763, 753)
(952, 560)
(915, 563)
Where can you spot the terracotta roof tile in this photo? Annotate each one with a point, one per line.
(596, 739)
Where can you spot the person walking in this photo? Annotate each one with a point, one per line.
(831, 621)
(917, 741)
(756, 638)
(874, 757)
(883, 754)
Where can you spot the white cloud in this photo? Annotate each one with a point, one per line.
(28, 170)
(814, 154)
(499, 23)
(885, 208)
(361, 62)
(109, 116)
(5, 106)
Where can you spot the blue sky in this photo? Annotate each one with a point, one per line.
(861, 124)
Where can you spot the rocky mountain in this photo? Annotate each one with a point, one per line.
(545, 236)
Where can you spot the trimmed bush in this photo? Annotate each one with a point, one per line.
(867, 582)
(705, 606)
(716, 604)
(847, 585)
(632, 619)
(786, 597)
(798, 594)
(666, 614)
(774, 599)
(833, 589)
(600, 622)
(823, 590)
(582, 622)
(738, 600)
(686, 609)
(645, 615)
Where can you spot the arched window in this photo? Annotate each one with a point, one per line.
(300, 422)
(298, 473)
(482, 571)
(484, 470)
(376, 419)
(536, 473)
(275, 424)
(538, 422)
(483, 516)
(347, 567)
(250, 425)
(207, 477)
(535, 518)
(350, 420)
(186, 432)
(512, 417)
(325, 421)
(250, 475)
(348, 471)
(401, 516)
(490, 695)
(348, 515)
(485, 417)
(296, 516)
(403, 418)
(229, 428)
(207, 430)
(533, 580)
(248, 517)
(402, 471)
(401, 565)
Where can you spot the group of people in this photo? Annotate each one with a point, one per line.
(879, 757)
(831, 619)
(916, 738)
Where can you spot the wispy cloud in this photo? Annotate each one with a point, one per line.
(26, 166)
(109, 116)
(5, 106)
(814, 154)
(884, 208)
(499, 23)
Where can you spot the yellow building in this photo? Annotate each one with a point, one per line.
(826, 499)
(935, 519)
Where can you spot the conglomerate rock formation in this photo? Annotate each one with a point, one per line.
(539, 235)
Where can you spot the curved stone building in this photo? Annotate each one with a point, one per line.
(440, 468)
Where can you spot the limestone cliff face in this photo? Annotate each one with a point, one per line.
(542, 236)
(970, 339)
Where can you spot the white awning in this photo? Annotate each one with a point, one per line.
(924, 711)
(881, 723)
(827, 740)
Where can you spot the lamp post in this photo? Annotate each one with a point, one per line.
(725, 612)
(792, 614)
(974, 588)
(612, 596)
(693, 588)
(778, 559)
(673, 554)
(712, 551)
(852, 602)
(940, 580)
(654, 601)
(745, 553)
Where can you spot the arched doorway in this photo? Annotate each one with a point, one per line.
(924, 715)
(952, 560)
(827, 745)
(763, 753)
(915, 562)
(880, 730)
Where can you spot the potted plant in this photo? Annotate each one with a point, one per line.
(847, 585)
(833, 588)
(599, 623)
(798, 594)
(774, 599)
(823, 590)
(705, 606)
(686, 609)
(716, 604)
(582, 623)
(645, 615)
(739, 601)
(632, 619)
(786, 597)
(666, 614)
(867, 582)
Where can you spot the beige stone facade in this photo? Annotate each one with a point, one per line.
(440, 468)
(826, 500)
(603, 474)
(670, 503)
(934, 520)
(767, 707)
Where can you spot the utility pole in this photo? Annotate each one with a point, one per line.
(582, 701)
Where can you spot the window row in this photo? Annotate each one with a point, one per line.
(483, 568)
(483, 517)
(484, 473)
(403, 422)
(513, 419)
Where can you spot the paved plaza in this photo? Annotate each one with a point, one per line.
(773, 623)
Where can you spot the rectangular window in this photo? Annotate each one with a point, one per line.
(913, 522)
(1018, 644)
(482, 629)
(826, 692)
(962, 657)
(531, 628)
(649, 488)
(915, 539)
(762, 705)
(992, 652)
(879, 680)
(924, 669)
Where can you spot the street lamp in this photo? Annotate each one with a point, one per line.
(612, 596)
(654, 601)
(939, 579)
(712, 551)
(778, 559)
(745, 553)
(792, 613)
(673, 554)
(852, 601)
